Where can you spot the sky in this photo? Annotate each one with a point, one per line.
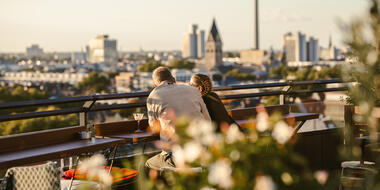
(68, 25)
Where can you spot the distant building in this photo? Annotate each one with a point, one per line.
(214, 54)
(193, 43)
(201, 43)
(124, 82)
(103, 50)
(34, 51)
(295, 46)
(78, 57)
(312, 50)
(334, 52)
(130, 81)
(252, 56)
(331, 52)
(29, 78)
(142, 81)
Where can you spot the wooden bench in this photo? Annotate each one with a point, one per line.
(33, 147)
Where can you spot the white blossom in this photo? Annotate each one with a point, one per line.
(93, 162)
(321, 176)
(202, 131)
(234, 134)
(93, 167)
(178, 156)
(286, 178)
(207, 188)
(262, 121)
(264, 183)
(192, 151)
(372, 57)
(220, 174)
(282, 132)
(235, 155)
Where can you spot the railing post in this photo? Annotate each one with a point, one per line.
(83, 115)
(285, 90)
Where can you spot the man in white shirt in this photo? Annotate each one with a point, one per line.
(182, 100)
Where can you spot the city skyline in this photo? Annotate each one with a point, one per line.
(67, 26)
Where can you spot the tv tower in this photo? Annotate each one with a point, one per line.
(256, 37)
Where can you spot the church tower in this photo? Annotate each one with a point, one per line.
(214, 54)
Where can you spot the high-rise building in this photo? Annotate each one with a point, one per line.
(103, 50)
(34, 51)
(295, 46)
(193, 43)
(214, 54)
(201, 43)
(312, 52)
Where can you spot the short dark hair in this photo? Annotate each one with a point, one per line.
(161, 74)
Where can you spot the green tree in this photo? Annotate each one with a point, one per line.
(149, 67)
(94, 83)
(238, 75)
(182, 64)
(37, 124)
(112, 75)
(18, 93)
(282, 71)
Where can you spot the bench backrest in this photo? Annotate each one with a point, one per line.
(245, 113)
(38, 138)
(113, 128)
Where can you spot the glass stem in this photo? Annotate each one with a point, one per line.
(138, 125)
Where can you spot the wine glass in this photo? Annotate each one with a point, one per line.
(138, 117)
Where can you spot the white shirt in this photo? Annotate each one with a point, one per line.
(182, 100)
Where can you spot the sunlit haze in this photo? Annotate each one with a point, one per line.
(160, 25)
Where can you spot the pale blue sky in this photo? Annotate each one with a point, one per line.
(67, 25)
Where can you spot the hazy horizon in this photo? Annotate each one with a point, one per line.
(160, 25)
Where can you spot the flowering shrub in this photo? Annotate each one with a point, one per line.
(262, 158)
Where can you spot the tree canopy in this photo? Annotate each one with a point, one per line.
(238, 75)
(37, 124)
(94, 83)
(149, 67)
(182, 64)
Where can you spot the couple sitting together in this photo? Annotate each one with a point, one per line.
(169, 100)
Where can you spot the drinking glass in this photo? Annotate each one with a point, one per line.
(138, 117)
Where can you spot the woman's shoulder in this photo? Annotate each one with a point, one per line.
(212, 96)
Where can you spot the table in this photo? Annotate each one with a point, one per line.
(55, 151)
(290, 118)
(135, 138)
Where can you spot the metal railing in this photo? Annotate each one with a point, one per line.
(89, 101)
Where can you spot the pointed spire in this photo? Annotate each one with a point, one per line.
(214, 34)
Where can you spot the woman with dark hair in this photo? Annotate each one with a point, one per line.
(215, 107)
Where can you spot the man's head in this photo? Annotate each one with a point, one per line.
(162, 74)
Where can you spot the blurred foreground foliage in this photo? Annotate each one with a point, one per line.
(262, 158)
